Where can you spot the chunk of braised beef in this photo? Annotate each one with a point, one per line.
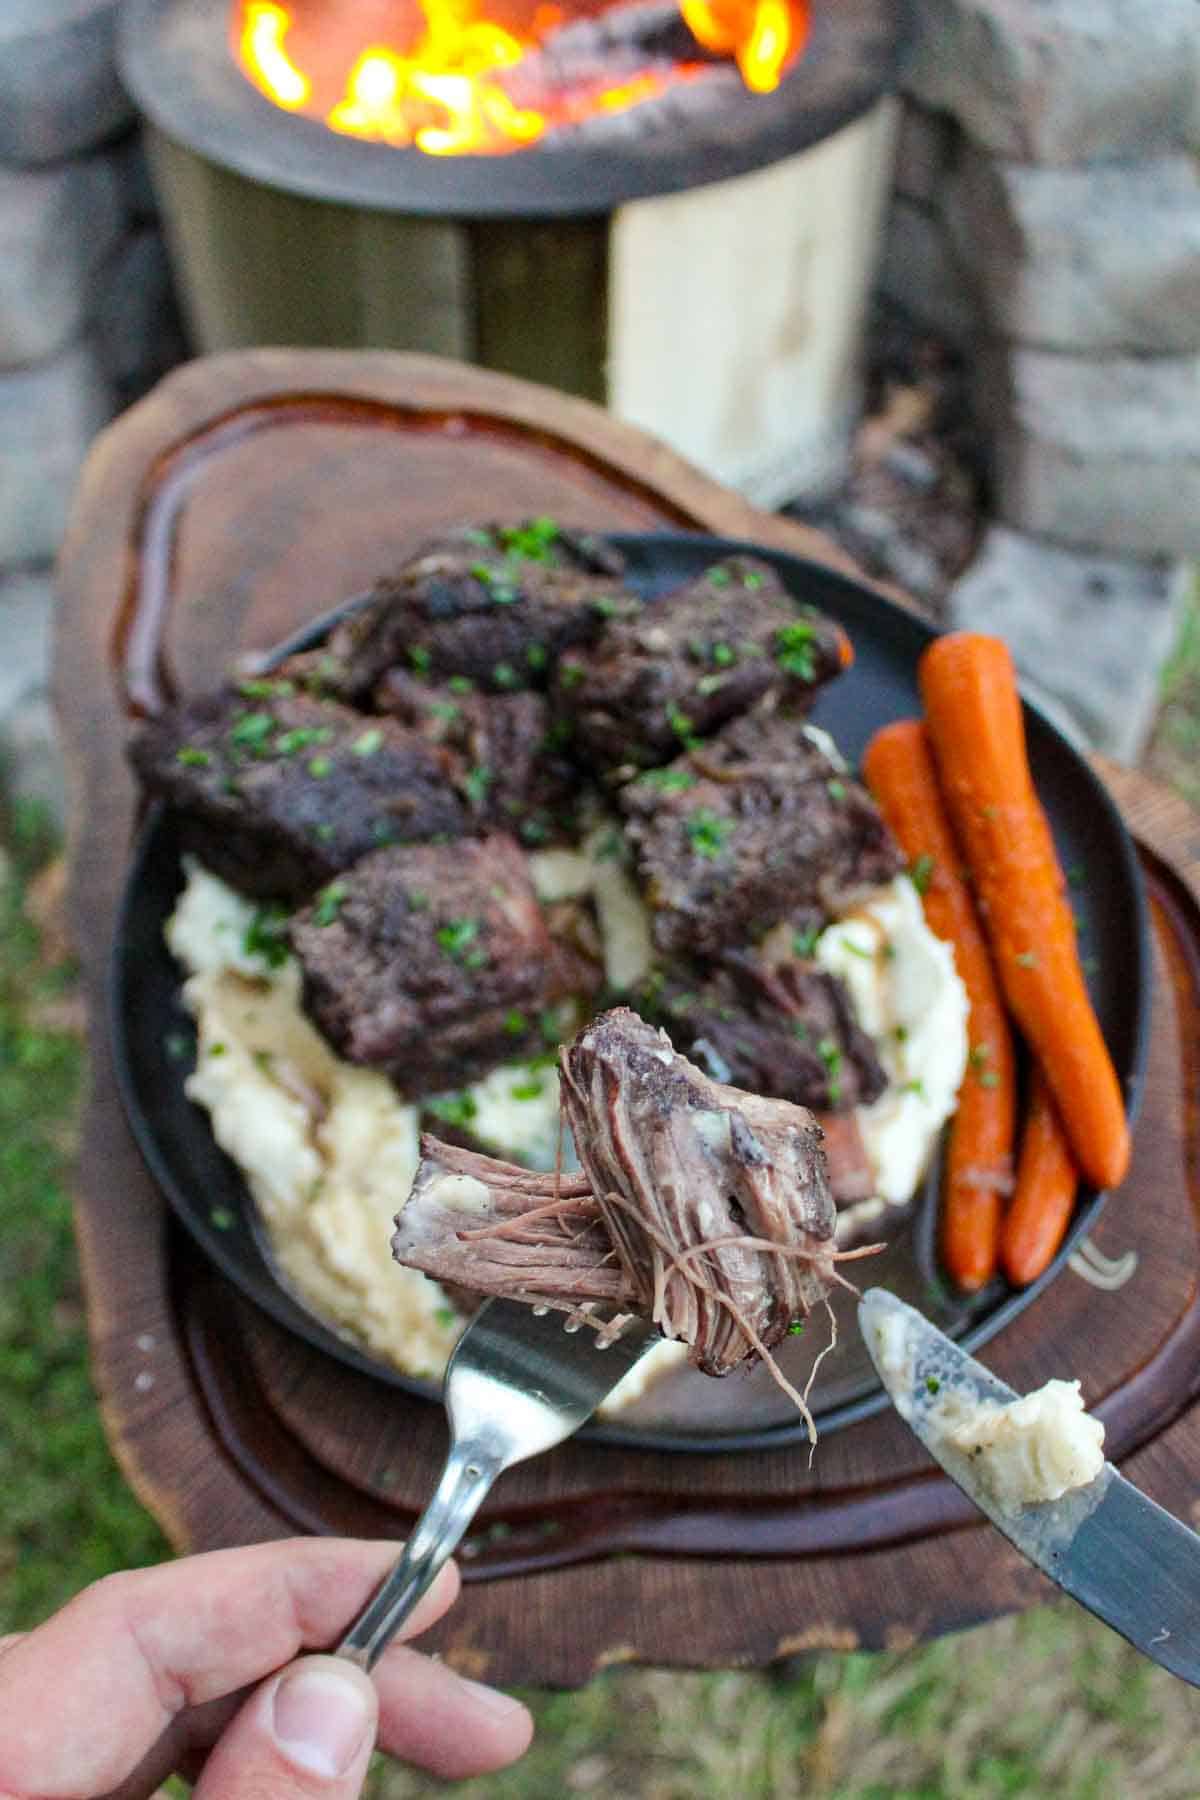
(278, 791)
(432, 963)
(495, 605)
(694, 659)
(788, 1032)
(513, 773)
(742, 832)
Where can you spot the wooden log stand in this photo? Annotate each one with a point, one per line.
(246, 494)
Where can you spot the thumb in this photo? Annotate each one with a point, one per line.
(309, 1730)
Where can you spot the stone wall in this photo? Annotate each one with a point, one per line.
(88, 319)
(1046, 219)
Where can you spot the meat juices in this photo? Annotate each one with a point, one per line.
(278, 792)
(432, 963)
(701, 1207)
(697, 658)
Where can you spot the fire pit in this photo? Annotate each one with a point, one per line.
(668, 207)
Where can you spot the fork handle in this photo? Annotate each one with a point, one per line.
(468, 1475)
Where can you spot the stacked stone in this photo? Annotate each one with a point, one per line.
(88, 319)
(1047, 220)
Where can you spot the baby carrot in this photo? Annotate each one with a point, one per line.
(1044, 1199)
(973, 714)
(899, 769)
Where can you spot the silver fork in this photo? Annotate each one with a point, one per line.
(518, 1383)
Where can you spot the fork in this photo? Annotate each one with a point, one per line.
(519, 1382)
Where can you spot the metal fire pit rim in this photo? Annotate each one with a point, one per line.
(199, 98)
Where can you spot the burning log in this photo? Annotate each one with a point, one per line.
(701, 1207)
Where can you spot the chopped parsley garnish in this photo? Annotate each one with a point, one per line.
(921, 873)
(804, 943)
(477, 783)
(916, 1087)
(192, 758)
(177, 1045)
(710, 684)
(932, 1384)
(681, 725)
(420, 658)
(979, 1055)
(265, 936)
(505, 676)
(302, 738)
(708, 832)
(1026, 959)
(609, 847)
(263, 1060)
(417, 901)
(324, 834)
(800, 1030)
(515, 1023)
(901, 1034)
(794, 650)
(988, 1078)
(329, 901)
(368, 743)
(857, 950)
(252, 730)
(266, 690)
(558, 736)
(445, 1315)
(571, 674)
(718, 576)
(534, 541)
(319, 767)
(453, 1109)
(461, 684)
(550, 1026)
(457, 937)
(221, 1219)
(669, 781)
(752, 579)
(537, 656)
(836, 790)
(831, 1055)
(527, 1090)
(796, 1327)
(533, 831)
(445, 710)
(216, 1049)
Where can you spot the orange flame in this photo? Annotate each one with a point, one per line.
(442, 94)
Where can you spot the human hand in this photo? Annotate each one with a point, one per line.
(158, 1670)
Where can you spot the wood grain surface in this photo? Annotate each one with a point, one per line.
(245, 495)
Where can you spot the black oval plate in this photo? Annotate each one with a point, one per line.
(154, 1041)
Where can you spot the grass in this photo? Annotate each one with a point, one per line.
(1048, 1703)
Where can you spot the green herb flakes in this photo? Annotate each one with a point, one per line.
(251, 730)
(804, 943)
(216, 1050)
(571, 675)
(794, 650)
(192, 758)
(708, 832)
(302, 738)
(329, 902)
(537, 656)
(369, 743)
(319, 767)
(668, 781)
(266, 690)
(921, 873)
(461, 684)
(505, 676)
(453, 1109)
(836, 790)
(477, 783)
(527, 1090)
(420, 658)
(221, 1219)
(457, 937)
(718, 576)
(932, 1384)
(1026, 959)
(266, 936)
(515, 1023)
(796, 1328)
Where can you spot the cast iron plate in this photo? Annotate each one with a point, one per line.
(154, 1040)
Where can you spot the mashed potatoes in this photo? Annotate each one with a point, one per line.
(329, 1151)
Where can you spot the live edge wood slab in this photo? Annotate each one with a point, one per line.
(245, 495)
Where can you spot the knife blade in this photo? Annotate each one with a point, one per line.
(1106, 1544)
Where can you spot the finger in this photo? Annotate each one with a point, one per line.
(307, 1734)
(442, 1722)
(137, 1649)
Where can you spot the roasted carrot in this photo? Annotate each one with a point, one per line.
(973, 714)
(1047, 1180)
(899, 769)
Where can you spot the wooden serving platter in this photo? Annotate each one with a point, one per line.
(245, 495)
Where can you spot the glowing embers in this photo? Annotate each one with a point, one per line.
(459, 81)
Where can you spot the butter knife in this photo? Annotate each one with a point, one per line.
(1105, 1544)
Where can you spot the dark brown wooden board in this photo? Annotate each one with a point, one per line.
(247, 494)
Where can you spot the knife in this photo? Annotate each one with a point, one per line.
(1105, 1544)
